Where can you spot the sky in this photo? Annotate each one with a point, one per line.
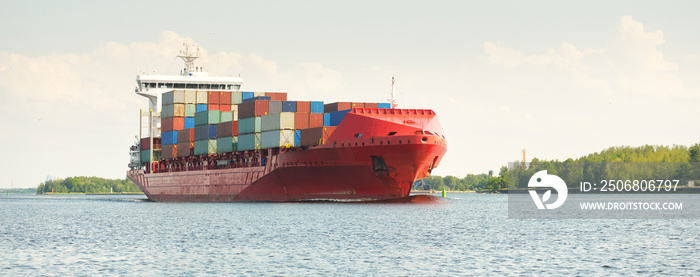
(561, 79)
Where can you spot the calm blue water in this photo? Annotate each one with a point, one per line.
(467, 234)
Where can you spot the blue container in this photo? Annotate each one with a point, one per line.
(337, 117)
(289, 106)
(256, 98)
(297, 138)
(316, 107)
(212, 131)
(169, 138)
(326, 119)
(247, 95)
(383, 106)
(201, 107)
(189, 122)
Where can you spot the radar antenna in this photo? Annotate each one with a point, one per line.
(189, 56)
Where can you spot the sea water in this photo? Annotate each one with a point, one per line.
(464, 234)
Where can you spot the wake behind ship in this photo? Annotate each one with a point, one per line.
(206, 140)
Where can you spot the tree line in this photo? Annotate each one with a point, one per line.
(88, 185)
(619, 163)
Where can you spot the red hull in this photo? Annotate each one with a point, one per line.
(368, 166)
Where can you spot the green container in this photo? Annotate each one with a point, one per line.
(209, 117)
(167, 111)
(249, 142)
(145, 154)
(249, 125)
(224, 145)
(168, 98)
(190, 110)
(236, 97)
(205, 147)
(226, 116)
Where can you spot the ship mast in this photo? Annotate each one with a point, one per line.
(189, 57)
(393, 100)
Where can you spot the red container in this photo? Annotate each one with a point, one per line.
(277, 96)
(213, 98)
(212, 107)
(225, 98)
(357, 105)
(315, 120)
(253, 108)
(145, 143)
(337, 106)
(234, 130)
(371, 105)
(168, 152)
(172, 124)
(184, 149)
(225, 108)
(316, 136)
(303, 106)
(301, 121)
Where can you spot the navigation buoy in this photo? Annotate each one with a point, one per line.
(444, 194)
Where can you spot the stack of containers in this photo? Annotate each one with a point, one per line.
(226, 134)
(205, 131)
(172, 121)
(145, 147)
(250, 114)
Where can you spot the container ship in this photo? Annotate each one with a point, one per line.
(203, 139)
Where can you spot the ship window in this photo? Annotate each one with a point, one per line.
(237, 87)
(152, 85)
(179, 85)
(392, 133)
(363, 143)
(204, 86)
(381, 142)
(192, 86)
(388, 142)
(399, 142)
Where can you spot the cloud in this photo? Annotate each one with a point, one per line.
(629, 61)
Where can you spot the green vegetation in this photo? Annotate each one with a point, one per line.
(87, 185)
(17, 191)
(650, 162)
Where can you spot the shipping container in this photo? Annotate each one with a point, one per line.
(225, 98)
(190, 97)
(315, 120)
(277, 96)
(303, 106)
(178, 110)
(202, 97)
(277, 139)
(212, 131)
(185, 149)
(384, 105)
(169, 138)
(167, 98)
(371, 105)
(190, 110)
(172, 124)
(301, 120)
(297, 138)
(179, 97)
(337, 106)
(205, 147)
(253, 109)
(280, 121)
(201, 108)
(201, 132)
(189, 122)
(213, 98)
(145, 155)
(250, 125)
(145, 143)
(275, 107)
(317, 107)
(227, 129)
(359, 105)
(225, 108)
(169, 151)
(249, 142)
(185, 135)
(236, 97)
(326, 119)
(289, 106)
(207, 117)
(246, 95)
(257, 98)
(167, 111)
(213, 107)
(226, 116)
(224, 145)
(316, 136)
(258, 94)
(337, 117)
